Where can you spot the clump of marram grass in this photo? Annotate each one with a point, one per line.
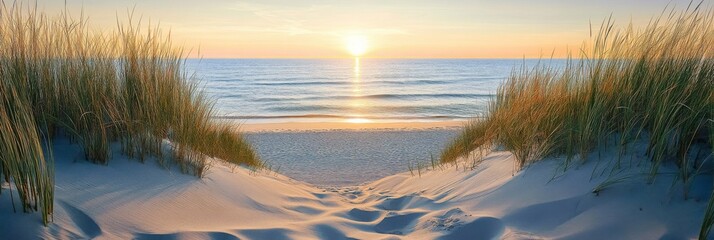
(128, 86)
(22, 158)
(473, 136)
(654, 84)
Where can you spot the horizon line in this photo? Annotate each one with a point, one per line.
(406, 58)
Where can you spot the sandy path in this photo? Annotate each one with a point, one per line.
(127, 199)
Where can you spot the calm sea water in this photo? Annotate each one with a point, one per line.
(277, 90)
(339, 90)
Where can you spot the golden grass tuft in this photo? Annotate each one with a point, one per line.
(654, 84)
(58, 77)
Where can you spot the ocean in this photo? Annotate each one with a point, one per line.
(350, 90)
(279, 90)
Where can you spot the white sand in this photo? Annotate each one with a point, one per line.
(127, 199)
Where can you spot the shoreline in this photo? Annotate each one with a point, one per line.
(348, 126)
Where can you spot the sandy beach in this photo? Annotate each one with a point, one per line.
(320, 157)
(486, 200)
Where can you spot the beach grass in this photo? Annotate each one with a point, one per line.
(653, 84)
(23, 160)
(60, 78)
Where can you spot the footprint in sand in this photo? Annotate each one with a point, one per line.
(398, 224)
(361, 215)
(351, 192)
(394, 204)
(448, 221)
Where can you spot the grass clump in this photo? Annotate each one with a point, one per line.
(474, 135)
(23, 159)
(58, 77)
(655, 81)
(653, 84)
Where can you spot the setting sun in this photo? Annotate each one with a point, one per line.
(356, 44)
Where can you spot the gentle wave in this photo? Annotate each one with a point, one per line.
(422, 95)
(376, 96)
(449, 109)
(300, 83)
(349, 81)
(399, 89)
(340, 117)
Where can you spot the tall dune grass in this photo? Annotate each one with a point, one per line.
(59, 77)
(21, 154)
(655, 83)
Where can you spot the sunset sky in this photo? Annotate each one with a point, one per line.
(389, 29)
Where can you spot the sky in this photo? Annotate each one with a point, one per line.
(383, 29)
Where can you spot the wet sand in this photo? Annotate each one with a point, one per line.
(356, 124)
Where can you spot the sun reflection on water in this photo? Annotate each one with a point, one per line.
(358, 120)
(357, 103)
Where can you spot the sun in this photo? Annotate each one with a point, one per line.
(357, 45)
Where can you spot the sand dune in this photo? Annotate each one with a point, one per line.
(127, 199)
